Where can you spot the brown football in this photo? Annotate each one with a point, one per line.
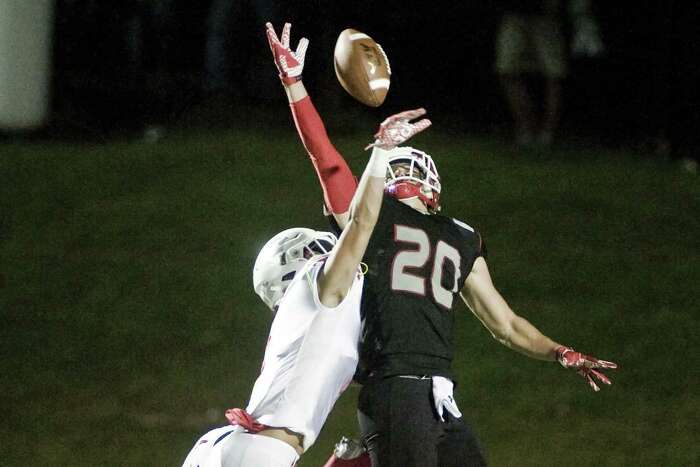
(362, 67)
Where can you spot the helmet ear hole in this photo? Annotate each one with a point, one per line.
(289, 276)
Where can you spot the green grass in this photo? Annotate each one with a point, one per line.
(129, 322)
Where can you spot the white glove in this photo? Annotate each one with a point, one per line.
(443, 399)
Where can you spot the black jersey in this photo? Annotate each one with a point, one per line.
(416, 266)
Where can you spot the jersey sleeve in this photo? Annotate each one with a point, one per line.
(473, 237)
(335, 227)
(481, 251)
(334, 174)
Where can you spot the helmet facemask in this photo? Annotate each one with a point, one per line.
(411, 173)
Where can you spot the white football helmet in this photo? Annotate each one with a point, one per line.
(282, 257)
(412, 173)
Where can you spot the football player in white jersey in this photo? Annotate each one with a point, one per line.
(314, 287)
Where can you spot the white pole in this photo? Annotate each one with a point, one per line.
(25, 62)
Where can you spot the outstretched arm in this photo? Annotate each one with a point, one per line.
(342, 265)
(336, 178)
(516, 332)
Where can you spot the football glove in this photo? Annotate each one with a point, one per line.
(349, 453)
(398, 129)
(443, 398)
(289, 64)
(584, 365)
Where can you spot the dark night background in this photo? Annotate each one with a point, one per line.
(644, 86)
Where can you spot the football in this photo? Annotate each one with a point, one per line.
(362, 67)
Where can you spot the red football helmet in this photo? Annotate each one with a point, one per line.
(412, 174)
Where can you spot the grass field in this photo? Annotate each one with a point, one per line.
(128, 320)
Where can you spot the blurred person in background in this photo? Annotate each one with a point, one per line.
(232, 64)
(530, 42)
(673, 94)
(116, 65)
(683, 124)
(532, 48)
(151, 35)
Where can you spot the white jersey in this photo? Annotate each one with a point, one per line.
(311, 356)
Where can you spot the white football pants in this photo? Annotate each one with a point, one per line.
(232, 447)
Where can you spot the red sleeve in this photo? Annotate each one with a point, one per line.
(337, 182)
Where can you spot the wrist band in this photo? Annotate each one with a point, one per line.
(378, 162)
(289, 80)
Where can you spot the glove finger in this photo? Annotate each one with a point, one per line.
(271, 31)
(440, 410)
(301, 50)
(285, 35)
(409, 114)
(592, 384)
(605, 364)
(587, 376)
(451, 407)
(592, 362)
(601, 377)
(422, 125)
(387, 121)
(403, 116)
(271, 37)
(384, 129)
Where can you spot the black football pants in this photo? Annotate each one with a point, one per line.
(401, 428)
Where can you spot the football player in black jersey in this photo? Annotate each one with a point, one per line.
(419, 263)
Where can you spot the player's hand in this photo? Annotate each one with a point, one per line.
(584, 365)
(443, 397)
(289, 64)
(398, 129)
(349, 453)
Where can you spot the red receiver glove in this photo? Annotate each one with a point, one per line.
(398, 129)
(584, 365)
(289, 64)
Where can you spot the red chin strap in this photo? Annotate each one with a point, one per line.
(404, 190)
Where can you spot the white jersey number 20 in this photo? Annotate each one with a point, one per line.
(417, 257)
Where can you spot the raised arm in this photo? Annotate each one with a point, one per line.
(516, 332)
(342, 265)
(336, 178)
